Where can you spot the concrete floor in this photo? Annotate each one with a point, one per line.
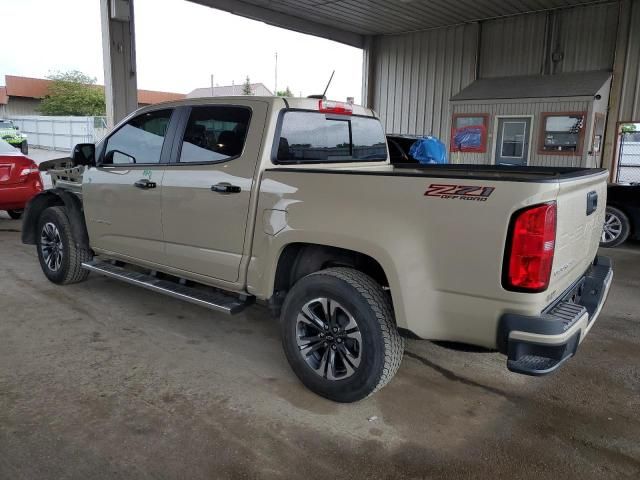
(102, 380)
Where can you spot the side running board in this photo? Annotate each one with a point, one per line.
(213, 299)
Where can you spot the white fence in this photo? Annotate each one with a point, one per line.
(60, 133)
(629, 163)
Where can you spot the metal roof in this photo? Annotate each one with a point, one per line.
(580, 84)
(347, 21)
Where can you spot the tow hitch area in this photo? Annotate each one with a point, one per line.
(540, 345)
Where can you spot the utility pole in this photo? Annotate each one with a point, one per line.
(276, 84)
(212, 84)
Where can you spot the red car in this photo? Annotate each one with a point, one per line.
(20, 180)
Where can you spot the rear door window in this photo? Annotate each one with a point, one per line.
(314, 137)
(214, 134)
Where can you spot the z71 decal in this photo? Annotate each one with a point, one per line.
(461, 192)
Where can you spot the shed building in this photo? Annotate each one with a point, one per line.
(539, 120)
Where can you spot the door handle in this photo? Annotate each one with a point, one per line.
(225, 188)
(145, 184)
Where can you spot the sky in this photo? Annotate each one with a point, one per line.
(179, 47)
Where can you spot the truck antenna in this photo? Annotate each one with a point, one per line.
(328, 83)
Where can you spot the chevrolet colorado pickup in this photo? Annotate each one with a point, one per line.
(294, 203)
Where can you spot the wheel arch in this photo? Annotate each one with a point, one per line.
(299, 259)
(50, 198)
(633, 231)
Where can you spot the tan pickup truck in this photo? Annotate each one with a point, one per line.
(293, 202)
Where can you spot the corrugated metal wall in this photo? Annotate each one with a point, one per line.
(630, 102)
(416, 74)
(513, 46)
(524, 109)
(586, 36)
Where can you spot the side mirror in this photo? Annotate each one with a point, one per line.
(84, 154)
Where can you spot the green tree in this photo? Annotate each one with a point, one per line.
(73, 93)
(628, 128)
(284, 93)
(246, 87)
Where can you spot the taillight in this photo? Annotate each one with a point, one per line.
(329, 106)
(33, 168)
(531, 248)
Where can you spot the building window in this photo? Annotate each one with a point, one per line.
(469, 132)
(562, 133)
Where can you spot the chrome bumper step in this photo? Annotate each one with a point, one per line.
(212, 300)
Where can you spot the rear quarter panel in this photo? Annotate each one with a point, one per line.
(442, 255)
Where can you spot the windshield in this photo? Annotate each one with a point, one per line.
(314, 137)
(4, 124)
(6, 148)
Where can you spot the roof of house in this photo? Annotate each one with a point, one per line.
(580, 84)
(4, 99)
(148, 97)
(228, 91)
(38, 88)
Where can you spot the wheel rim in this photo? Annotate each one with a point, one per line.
(51, 245)
(329, 339)
(612, 228)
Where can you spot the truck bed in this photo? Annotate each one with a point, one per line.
(464, 171)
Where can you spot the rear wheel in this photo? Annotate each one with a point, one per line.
(60, 258)
(24, 148)
(339, 335)
(616, 228)
(15, 214)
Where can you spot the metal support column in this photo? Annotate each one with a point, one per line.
(368, 72)
(119, 56)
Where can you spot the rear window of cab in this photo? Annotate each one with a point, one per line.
(316, 137)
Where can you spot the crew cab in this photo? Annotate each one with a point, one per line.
(294, 203)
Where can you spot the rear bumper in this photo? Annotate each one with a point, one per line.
(539, 345)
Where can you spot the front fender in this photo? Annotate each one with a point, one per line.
(50, 198)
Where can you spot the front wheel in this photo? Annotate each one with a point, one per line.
(339, 335)
(60, 258)
(15, 214)
(616, 228)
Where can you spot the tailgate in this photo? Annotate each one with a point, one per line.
(578, 228)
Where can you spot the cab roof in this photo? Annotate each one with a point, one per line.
(275, 102)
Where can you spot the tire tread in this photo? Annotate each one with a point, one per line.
(77, 255)
(380, 304)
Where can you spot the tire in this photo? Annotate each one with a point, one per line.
(24, 148)
(616, 228)
(368, 348)
(15, 214)
(54, 237)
